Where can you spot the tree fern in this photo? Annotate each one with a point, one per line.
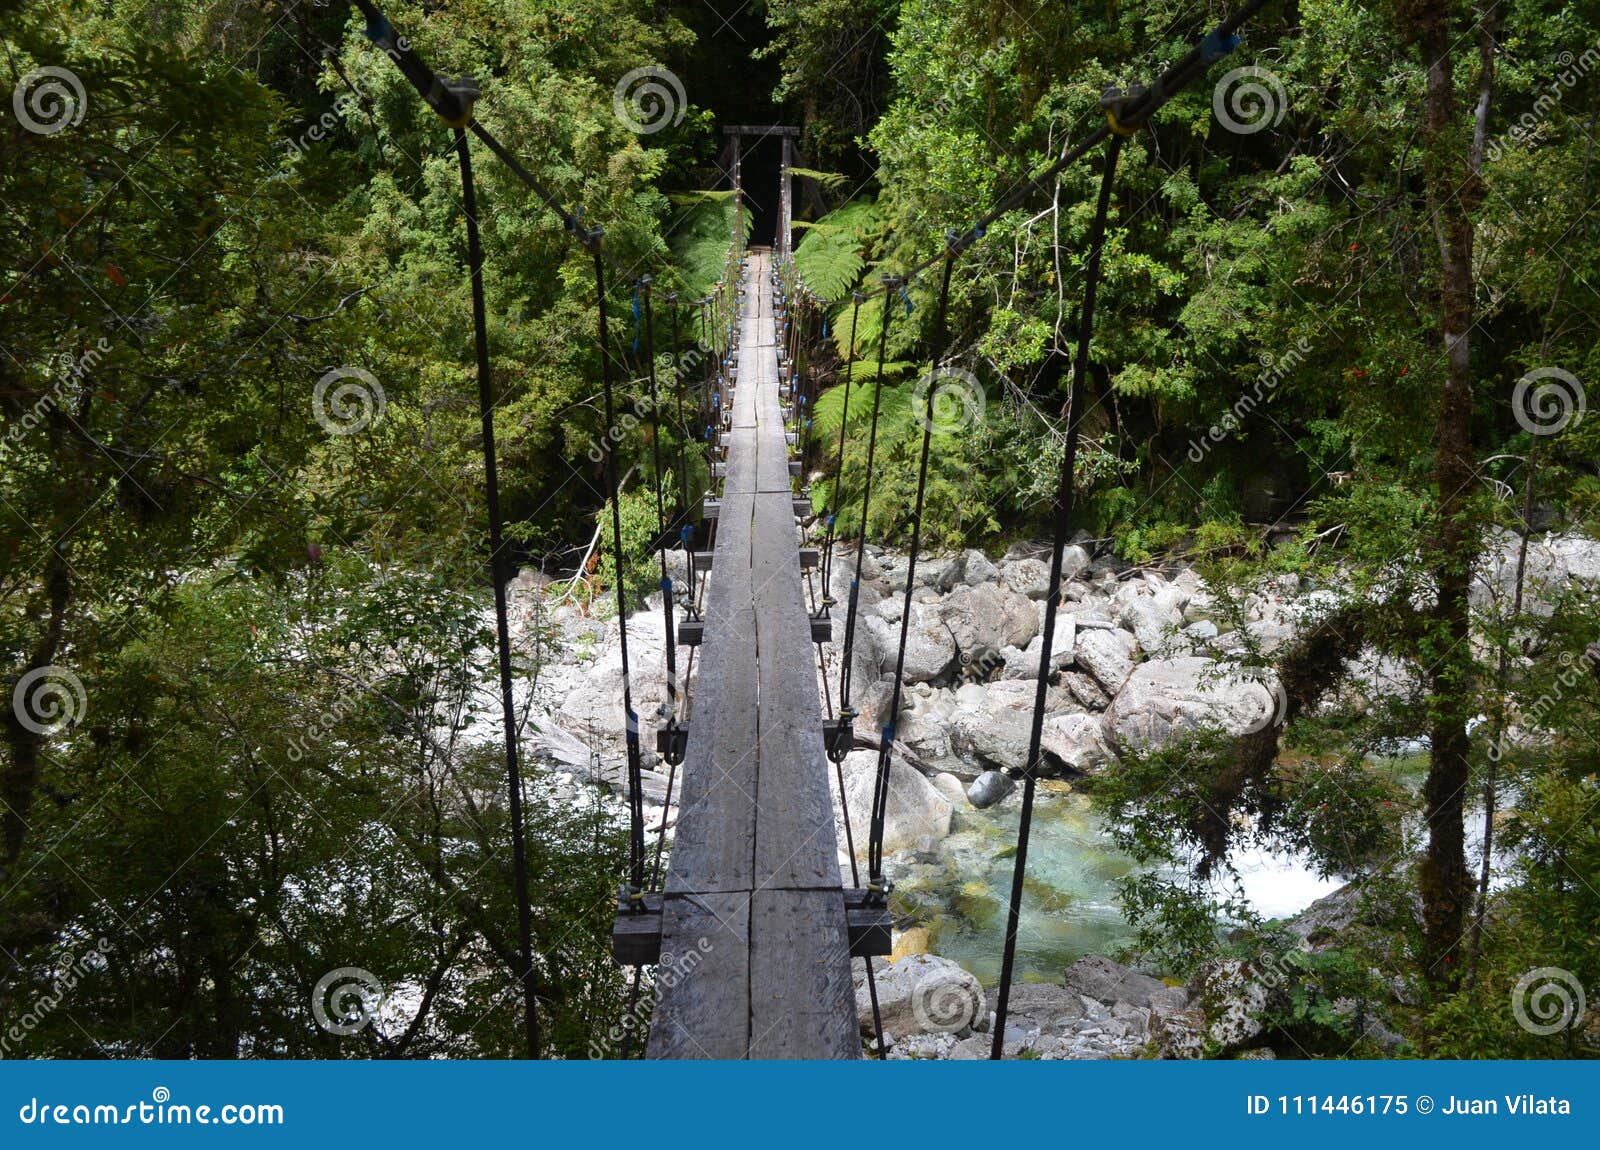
(834, 251)
(700, 237)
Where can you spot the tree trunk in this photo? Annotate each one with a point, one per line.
(1453, 190)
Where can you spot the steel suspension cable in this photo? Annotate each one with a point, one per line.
(880, 791)
(594, 239)
(846, 714)
(499, 575)
(1065, 494)
(838, 471)
(673, 752)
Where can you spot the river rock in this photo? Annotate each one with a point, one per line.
(951, 787)
(1107, 656)
(1076, 740)
(996, 739)
(915, 807)
(1030, 577)
(922, 994)
(989, 788)
(1166, 697)
(970, 568)
(1110, 982)
(930, 647)
(1153, 619)
(1039, 1006)
(1546, 574)
(988, 617)
(1063, 646)
(1085, 690)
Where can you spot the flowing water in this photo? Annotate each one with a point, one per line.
(1070, 905)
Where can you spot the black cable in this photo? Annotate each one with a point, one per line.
(683, 431)
(838, 471)
(880, 790)
(1065, 492)
(594, 239)
(672, 756)
(499, 575)
(845, 675)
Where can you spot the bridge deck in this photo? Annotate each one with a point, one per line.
(753, 891)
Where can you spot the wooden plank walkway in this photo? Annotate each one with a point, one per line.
(753, 891)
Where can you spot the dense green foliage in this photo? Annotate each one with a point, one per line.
(241, 478)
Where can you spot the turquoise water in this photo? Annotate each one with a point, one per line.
(1069, 907)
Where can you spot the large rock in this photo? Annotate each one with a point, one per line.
(1554, 563)
(1154, 619)
(1024, 664)
(988, 617)
(1030, 577)
(1099, 978)
(1106, 655)
(1076, 740)
(1167, 697)
(989, 788)
(930, 647)
(995, 739)
(1039, 1006)
(1234, 1000)
(915, 809)
(970, 568)
(922, 994)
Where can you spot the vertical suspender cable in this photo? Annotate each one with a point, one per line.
(661, 516)
(838, 471)
(845, 713)
(880, 791)
(498, 575)
(683, 436)
(593, 239)
(1064, 508)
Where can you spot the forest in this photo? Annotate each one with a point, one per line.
(1327, 432)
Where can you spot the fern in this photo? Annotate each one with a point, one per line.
(834, 251)
(829, 180)
(700, 237)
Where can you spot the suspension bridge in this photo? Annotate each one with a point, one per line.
(750, 925)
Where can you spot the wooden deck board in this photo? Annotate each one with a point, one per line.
(754, 866)
(702, 1001)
